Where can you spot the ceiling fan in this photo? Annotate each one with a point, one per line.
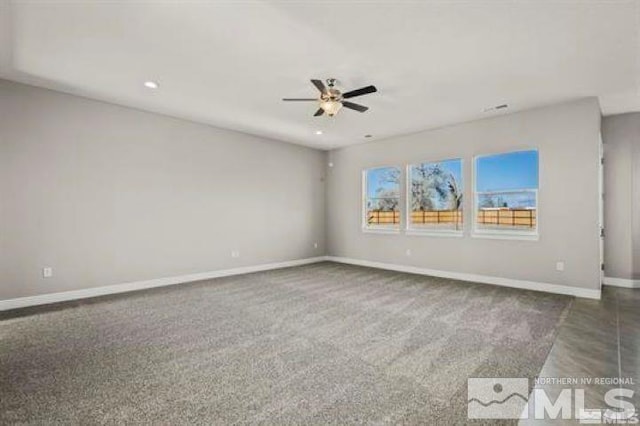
(331, 100)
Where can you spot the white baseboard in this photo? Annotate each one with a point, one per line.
(45, 299)
(505, 282)
(621, 282)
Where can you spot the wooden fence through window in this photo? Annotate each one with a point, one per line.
(496, 217)
(422, 217)
(508, 217)
(375, 217)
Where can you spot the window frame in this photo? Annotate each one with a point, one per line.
(377, 229)
(409, 230)
(504, 234)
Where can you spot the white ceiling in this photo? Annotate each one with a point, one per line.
(228, 63)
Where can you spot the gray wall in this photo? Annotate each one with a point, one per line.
(621, 137)
(106, 195)
(567, 137)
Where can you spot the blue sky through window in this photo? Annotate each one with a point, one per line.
(376, 179)
(436, 185)
(452, 166)
(502, 172)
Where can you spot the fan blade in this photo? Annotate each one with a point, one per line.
(359, 92)
(299, 99)
(319, 112)
(357, 107)
(320, 85)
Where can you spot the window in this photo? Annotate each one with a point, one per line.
(382, 198)
(435, 197)
(506, 198)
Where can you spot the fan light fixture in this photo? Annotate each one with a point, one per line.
(332, 100)
(330, 106)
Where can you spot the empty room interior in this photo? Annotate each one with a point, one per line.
(311, 212)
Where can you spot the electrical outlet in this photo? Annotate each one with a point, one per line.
(315, 245)
(408, 252)
(47, 272)
(235, 253)
(560, 266)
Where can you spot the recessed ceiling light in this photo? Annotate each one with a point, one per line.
(151, 84)
(318, 132)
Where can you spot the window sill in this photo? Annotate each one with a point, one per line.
(506, 235)
(434, 233)
(380, 231)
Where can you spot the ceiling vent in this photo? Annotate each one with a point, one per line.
(496, 108)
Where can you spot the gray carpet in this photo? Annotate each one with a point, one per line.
(317, 344)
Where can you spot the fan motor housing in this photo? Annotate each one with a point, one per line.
(331, 95)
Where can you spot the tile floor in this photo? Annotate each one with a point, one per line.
(599, 339)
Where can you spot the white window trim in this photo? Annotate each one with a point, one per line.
(502, 234)
(505, 235)
(433, 233)
(426, 232)
(373, 229)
